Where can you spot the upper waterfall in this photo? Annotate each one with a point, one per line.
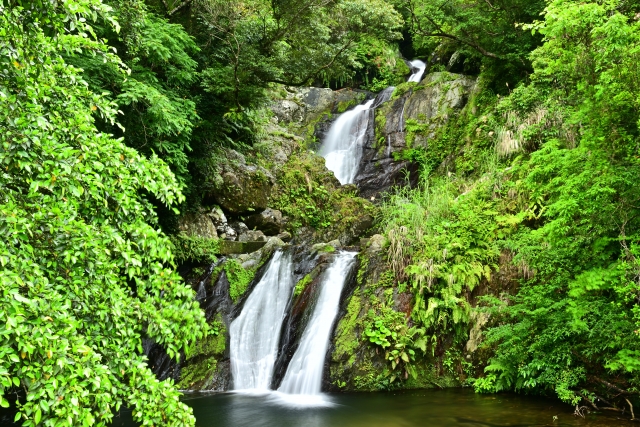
(417, 75)
(342, 148)
(304, 375)
(255, 334)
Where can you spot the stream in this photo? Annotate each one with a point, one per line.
(438, 408)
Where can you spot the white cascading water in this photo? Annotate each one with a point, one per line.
(420, 66)
(342, 148)
(255, 333)
(304, 374)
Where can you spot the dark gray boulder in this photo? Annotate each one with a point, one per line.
(268, 221)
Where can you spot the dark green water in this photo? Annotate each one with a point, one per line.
(438, 408)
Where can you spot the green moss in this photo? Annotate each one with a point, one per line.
(326, 249)
(301, 285)
(369, 378)
(403, 88)
(381, 123)
(347, 340)
(401, 69)
(387, 279)
(202, 361)
(364, 267)
(427, 376)
(309, 195)
(345, 105)
(413, 128)
(239, 278)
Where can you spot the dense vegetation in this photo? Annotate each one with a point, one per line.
(554, 201)
(525, 221)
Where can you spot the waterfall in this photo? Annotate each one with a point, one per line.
(420, 67)
(383, 96)
(304, 374)
(255, 334)
(342, 148)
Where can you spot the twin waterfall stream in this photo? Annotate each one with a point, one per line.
(255, 333)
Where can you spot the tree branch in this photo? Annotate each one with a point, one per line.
(613, 386)
(442, 34)
(315, 73)
(178, 7)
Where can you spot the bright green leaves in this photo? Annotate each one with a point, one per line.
(576, 320)
(403, 346)
(444, 245)
(378, 334)
(85, 273)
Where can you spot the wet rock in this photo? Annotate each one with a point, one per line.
(217, 216)
(442, 93)
(288, 110)
(478, 320)
(322, 248)
(358, 228)
(208, 364)
(198, 224)
(239, 227)
(376, 243)
(269, 221)
(335, 243)
(307, 104)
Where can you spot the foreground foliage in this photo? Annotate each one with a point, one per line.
(559, 206)
(85, 274)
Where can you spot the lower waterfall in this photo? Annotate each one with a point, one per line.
(304, 374)
(255, 333)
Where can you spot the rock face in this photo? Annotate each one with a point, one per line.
(198, 224)
(304, 105)
(243, 187)
(355, 363)
(429, 105)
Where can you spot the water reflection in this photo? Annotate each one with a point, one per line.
(444, 408)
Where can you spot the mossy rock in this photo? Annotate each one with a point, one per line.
(206, 368)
